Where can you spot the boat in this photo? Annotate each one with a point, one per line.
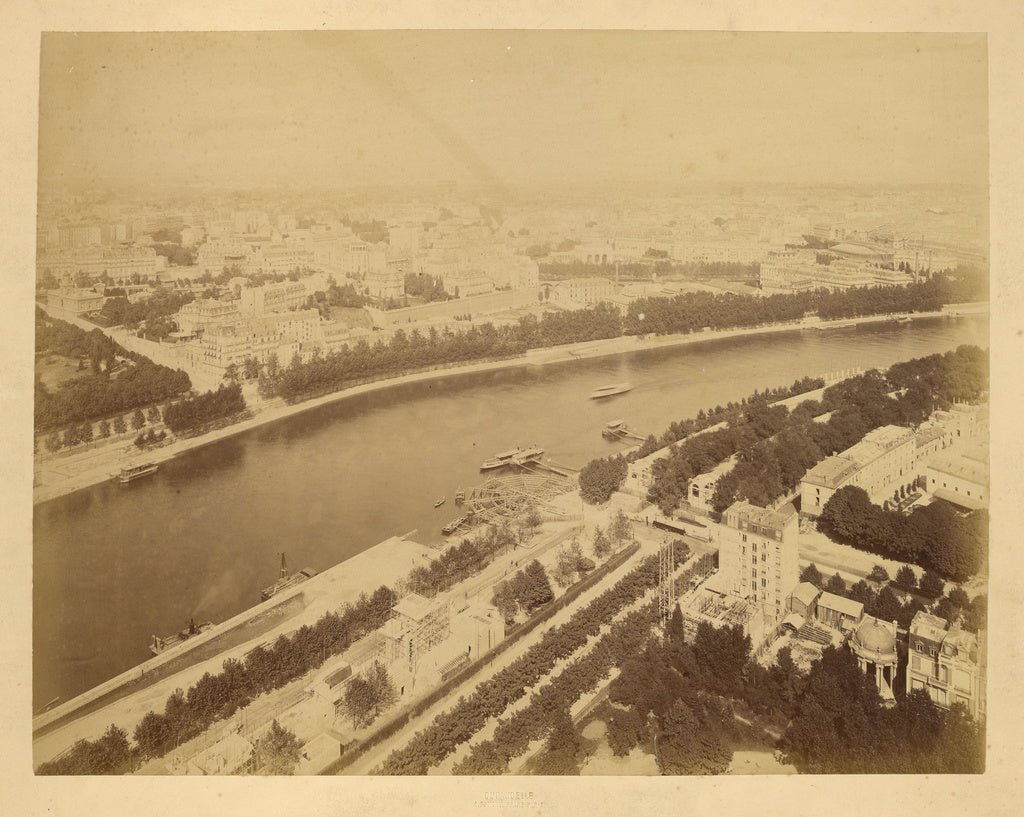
(460, 496)
(500, 460)
(454, 525)
(610, 390)
(613, 429)
(439, 503)
(527, 455)
(160, 645)
(136, 472)
(286, 580)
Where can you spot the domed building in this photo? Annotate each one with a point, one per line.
(874, 644)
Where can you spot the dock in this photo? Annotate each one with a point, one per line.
(618, 430)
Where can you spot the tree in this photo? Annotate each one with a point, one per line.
(836, 585)
(277, 751)
(685, 746)
(602, 547)
(878, 574)
(562, 747)
(54, 442)
(138, 419)
(931, 585)
(621, 529)
(358, 702)
(567, 563)
(906, 579)
(119, 425)
(813, 575)
(505, 601)
(153, 415)
(104, 429)
(534, 590)
(251, 368)
(231, 373)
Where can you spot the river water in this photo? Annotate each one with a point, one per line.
(114, 565)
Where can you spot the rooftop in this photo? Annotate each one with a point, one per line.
(846, 606)
(928, 626)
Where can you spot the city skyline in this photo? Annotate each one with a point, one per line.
(506, 109)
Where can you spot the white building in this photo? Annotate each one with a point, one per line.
(758, 556)
(882, 462)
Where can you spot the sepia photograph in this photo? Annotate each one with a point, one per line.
(474, 402)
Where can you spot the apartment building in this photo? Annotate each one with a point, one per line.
(948, 662)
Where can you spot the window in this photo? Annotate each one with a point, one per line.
(764, 557)
(919, 646)
(931, 651)
(744, 537)
(764, 582)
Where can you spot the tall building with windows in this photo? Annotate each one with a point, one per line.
(758, 558)
(948, 663)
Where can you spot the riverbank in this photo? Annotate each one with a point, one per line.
(61, 474)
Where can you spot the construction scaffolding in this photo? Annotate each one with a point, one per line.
(666, 579)
(416, 625)
(506, 497)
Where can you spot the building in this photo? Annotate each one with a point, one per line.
(417, 624)
(580, 291)
(75, 301)
(838, 612)
(278, 297)
(874, 644)
(196, 316)
(960, 477)
(948, 663)
(883, 461)
(758, 555)
(701, 488)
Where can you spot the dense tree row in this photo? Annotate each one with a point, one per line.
(110, 754)
(776, 447)
(196, 411)
(687, 312)
(461, 561)
(682, 429)
(449, 729)
(548, 709)
(600, 478)
(935, 536)
(840, 726)
(215, 697)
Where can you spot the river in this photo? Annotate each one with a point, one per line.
(114, 565)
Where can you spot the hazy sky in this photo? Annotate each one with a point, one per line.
(509, 108)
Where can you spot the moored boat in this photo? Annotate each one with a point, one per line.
(136, 471)
(439, 502)
(500, 459)
(159, 645)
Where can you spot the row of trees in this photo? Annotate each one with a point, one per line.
(492, 697)
(683, 313)
(216, 697)
(84, 433)
(196, 411)
(935, 536)
(108, 389)
(776, 447)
